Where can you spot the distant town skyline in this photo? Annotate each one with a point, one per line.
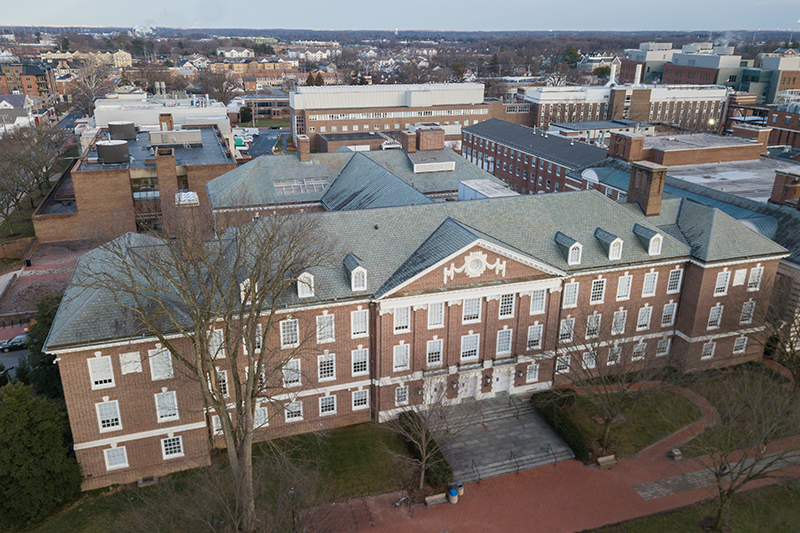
(446, 15)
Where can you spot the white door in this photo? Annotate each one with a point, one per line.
(467, 385)
(501, 381)
(432, 390)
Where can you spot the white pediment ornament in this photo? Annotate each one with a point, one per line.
(475, 264)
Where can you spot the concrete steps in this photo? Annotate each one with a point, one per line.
(509, 466)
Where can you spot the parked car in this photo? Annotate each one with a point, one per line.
(20, 342)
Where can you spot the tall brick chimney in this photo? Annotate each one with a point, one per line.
(786, 188)
(646, 186)
(408, 140)
(626, 146)
(430, 139)
(304, 148)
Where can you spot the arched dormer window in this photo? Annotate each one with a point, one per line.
(575, 254)
(305, 285)
(615, 250)
(358, 279)
(655, 245)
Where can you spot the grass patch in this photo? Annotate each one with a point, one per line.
(266, 123)
(646, 422)
(91, 513)
(765, 510)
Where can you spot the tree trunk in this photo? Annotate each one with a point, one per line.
(422, 474)
(722, 509)
(604, 441)
(247, 505)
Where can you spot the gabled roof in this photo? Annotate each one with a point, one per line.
(17, 101)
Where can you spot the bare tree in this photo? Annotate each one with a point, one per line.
(92, 83)
(218, 85)
(212, 304)
(781, 334)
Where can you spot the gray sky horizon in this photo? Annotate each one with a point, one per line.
(444, 15)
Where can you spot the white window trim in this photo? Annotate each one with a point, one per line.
(532, 328)
(174, 455)
(305, 285)
(477, 350)
(571, 322)
(654, 275)
(335, 405)
(532, 368)
(713, 346)
(299, 380)
(627, 295)
(106, 359)
(464, 320)
(322, 358)
(567, 287)
(719, 318)
(176, 416)
(655, 245)
(500, 314)
(537, 311)
(510, 333)
(332, 338)
(353, 362)
(435, 325)
(297, 331)
(760, 270)
(115, 467)
(602, 282)
(428, 352)
(667, 343)
(744, 345)
(396, 399)
(565, 361)
(353, 400)
(726, 276)
(405, 350)
(353, 334)
(356, 274)
(286, 411)
(100, 421)
(624, 322)
(399, 328)
(575, 253)
(671, 322)
(680, 280)
(128, 365)
(649, 318)
(151, 356)
(615, 246)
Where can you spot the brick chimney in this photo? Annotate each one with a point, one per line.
(304, 148)
(165, 120)
(756, 133)
(646, 186)
(430, 139)
(408, 139)
(626, 146)
(786, 188)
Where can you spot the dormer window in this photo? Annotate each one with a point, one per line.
(574, 254)
(358, 279)
(655, 245)
(305, 285)
(571, 248)
(615, 251)
(651, 239)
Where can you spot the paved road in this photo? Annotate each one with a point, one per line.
(262, 145)
(11, 359)
(68, 123)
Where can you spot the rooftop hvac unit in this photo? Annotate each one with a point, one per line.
(111, 152)
(122, 130)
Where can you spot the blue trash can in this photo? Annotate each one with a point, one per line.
(452, 496)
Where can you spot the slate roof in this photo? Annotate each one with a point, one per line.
(16, 100)
(553, 148)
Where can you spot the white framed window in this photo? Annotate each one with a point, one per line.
(434, 349)
(571, 294)
(535, 336)
(638, 351)
(674, 281)
(401, 357)
(721, 286)
(562, 364)
(643, 321)
(715, 317)
(216, 344)
(326, 329)
(167, 406)
(589, 360)
(504, 341)
(101, 372)
(708, 350)
(326, 367)
(748, 310)
(116, 458)
(160, 364)
(358, 279)
(598, 293)
(402, 319)
(618, 324)
(260, 417)
(532, 374)
(655, 245)
(739, 277)
(436, 315)
(615, 250)
(290, 333)
(537, 301)
(216, 424)
(401, 396)
(469, 346)
(668, 315)
(624, 287)
(649, 285)
(327, 405)
(740, 345)
(245, 296)
(294, 411)
(593, 326)
(172, 447)
(566, 329)
(754, 283)
(130, 363)
(574, 254)
(360, 399)
(291, 373)
(108, 415)
(614, 355)
(359, 323)
(222, 381)
(507, 306)
(305, 285)
(662, 348)
(360, 361)
(471, 311)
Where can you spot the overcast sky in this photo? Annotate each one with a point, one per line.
(626, 15)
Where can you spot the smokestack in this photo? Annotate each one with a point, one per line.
(613, 76)
(637, 79)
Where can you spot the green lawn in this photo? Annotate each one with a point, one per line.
(768, 510)
(647, 422)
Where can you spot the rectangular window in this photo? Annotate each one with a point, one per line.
(566, 329)
(160, 364)
(172, 447)
(434, 352)
(715, 317)
(721, 287)
(614, 355)
(593, 326)
(101, 373)
(643, 321)
(674, 281)
(436, 315)
(291, 373)
(472, 310)
(402, 319)
(167, 406)
(116, 458)
(571, 294)
(359, 323)
(402, 358)
(537, 301)
(668, 316)
(638, 351)
(504, 341)
(108, 415)
(260, 417)
(360, 361)
(360, 399)
(327, 405)
(325, 329)
(290, 334)
(294, 411)
(662, 348)
(624, 287)
(754, 283)
(589, 360)
(562, 364)
(598, 291)
(469, 346)
(535, 336)
(130, 363)
(739, 277)
(748, 310)
(401, 396)
(532, 375)
(649, 286)
(507, 306)
(326, 367)
(216, 344)
(708, 350)
(740, 345)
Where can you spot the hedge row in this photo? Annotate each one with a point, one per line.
(551, 409)
(437, 471)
